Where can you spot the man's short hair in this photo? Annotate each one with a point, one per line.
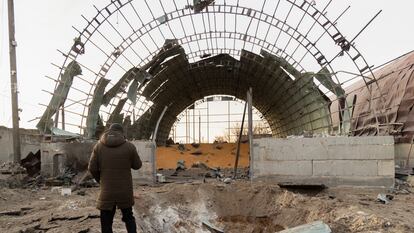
(116, 127)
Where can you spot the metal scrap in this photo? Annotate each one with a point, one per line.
(93, 110)
(211, 227)
(59, 96)
(384, 198)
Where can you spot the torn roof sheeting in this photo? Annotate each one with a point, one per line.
(59, 96)
(93, 110)
(290, 107)
(121, 85)
(396, 81)
(288, 44)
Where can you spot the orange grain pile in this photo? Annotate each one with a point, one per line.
(167, 157)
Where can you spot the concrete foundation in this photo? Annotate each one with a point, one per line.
(30, 142)
(56, 156)
(333, 161)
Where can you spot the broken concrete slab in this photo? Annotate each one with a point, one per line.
(211, 227)
(315, 227)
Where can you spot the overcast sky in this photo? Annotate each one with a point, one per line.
(45, 25)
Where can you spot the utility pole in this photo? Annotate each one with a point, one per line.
(13, 84)
(250, 122)
(194, 137)
(199, 127)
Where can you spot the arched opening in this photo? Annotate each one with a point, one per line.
(206, 135)
(288, 59)
(289, 106)
(216, 118)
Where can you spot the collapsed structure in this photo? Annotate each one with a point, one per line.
(147, 78)
(273, 76)
(334, 120)
(290, 97)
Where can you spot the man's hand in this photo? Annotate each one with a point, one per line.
(93, 165)
(136, 162)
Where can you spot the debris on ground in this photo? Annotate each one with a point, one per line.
(81, 193)
(66, 192)
(217, 173)
(227, 180)
(211, 227)
(65, 178)
(169, 142)
(242, 207)
(200, 165)
(33, 182)
(384, 198)
(180, 165)
(197, 152)
(181, 147)
(218, 146)
(315, 227)
(14, 176)
(12, 168)
(73, 178)
(401, 187)
(160, 178)
(195, 145)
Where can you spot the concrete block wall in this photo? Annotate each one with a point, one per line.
(333, 161)
(29, 140)
(146, 151)
(55, 156)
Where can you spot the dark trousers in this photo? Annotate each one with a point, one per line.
(107, 218)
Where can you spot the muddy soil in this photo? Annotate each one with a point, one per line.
(241, 206)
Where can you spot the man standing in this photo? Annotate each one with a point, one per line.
(110, 164)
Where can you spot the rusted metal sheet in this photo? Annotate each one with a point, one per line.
(392, 114)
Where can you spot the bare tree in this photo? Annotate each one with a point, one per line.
(232, 134)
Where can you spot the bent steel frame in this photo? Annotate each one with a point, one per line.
(256, 35)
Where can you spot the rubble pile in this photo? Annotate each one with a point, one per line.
(11, 168)
(27, 176)
(12, 175)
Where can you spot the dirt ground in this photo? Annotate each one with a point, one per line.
(213, 155)
(240, 206)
